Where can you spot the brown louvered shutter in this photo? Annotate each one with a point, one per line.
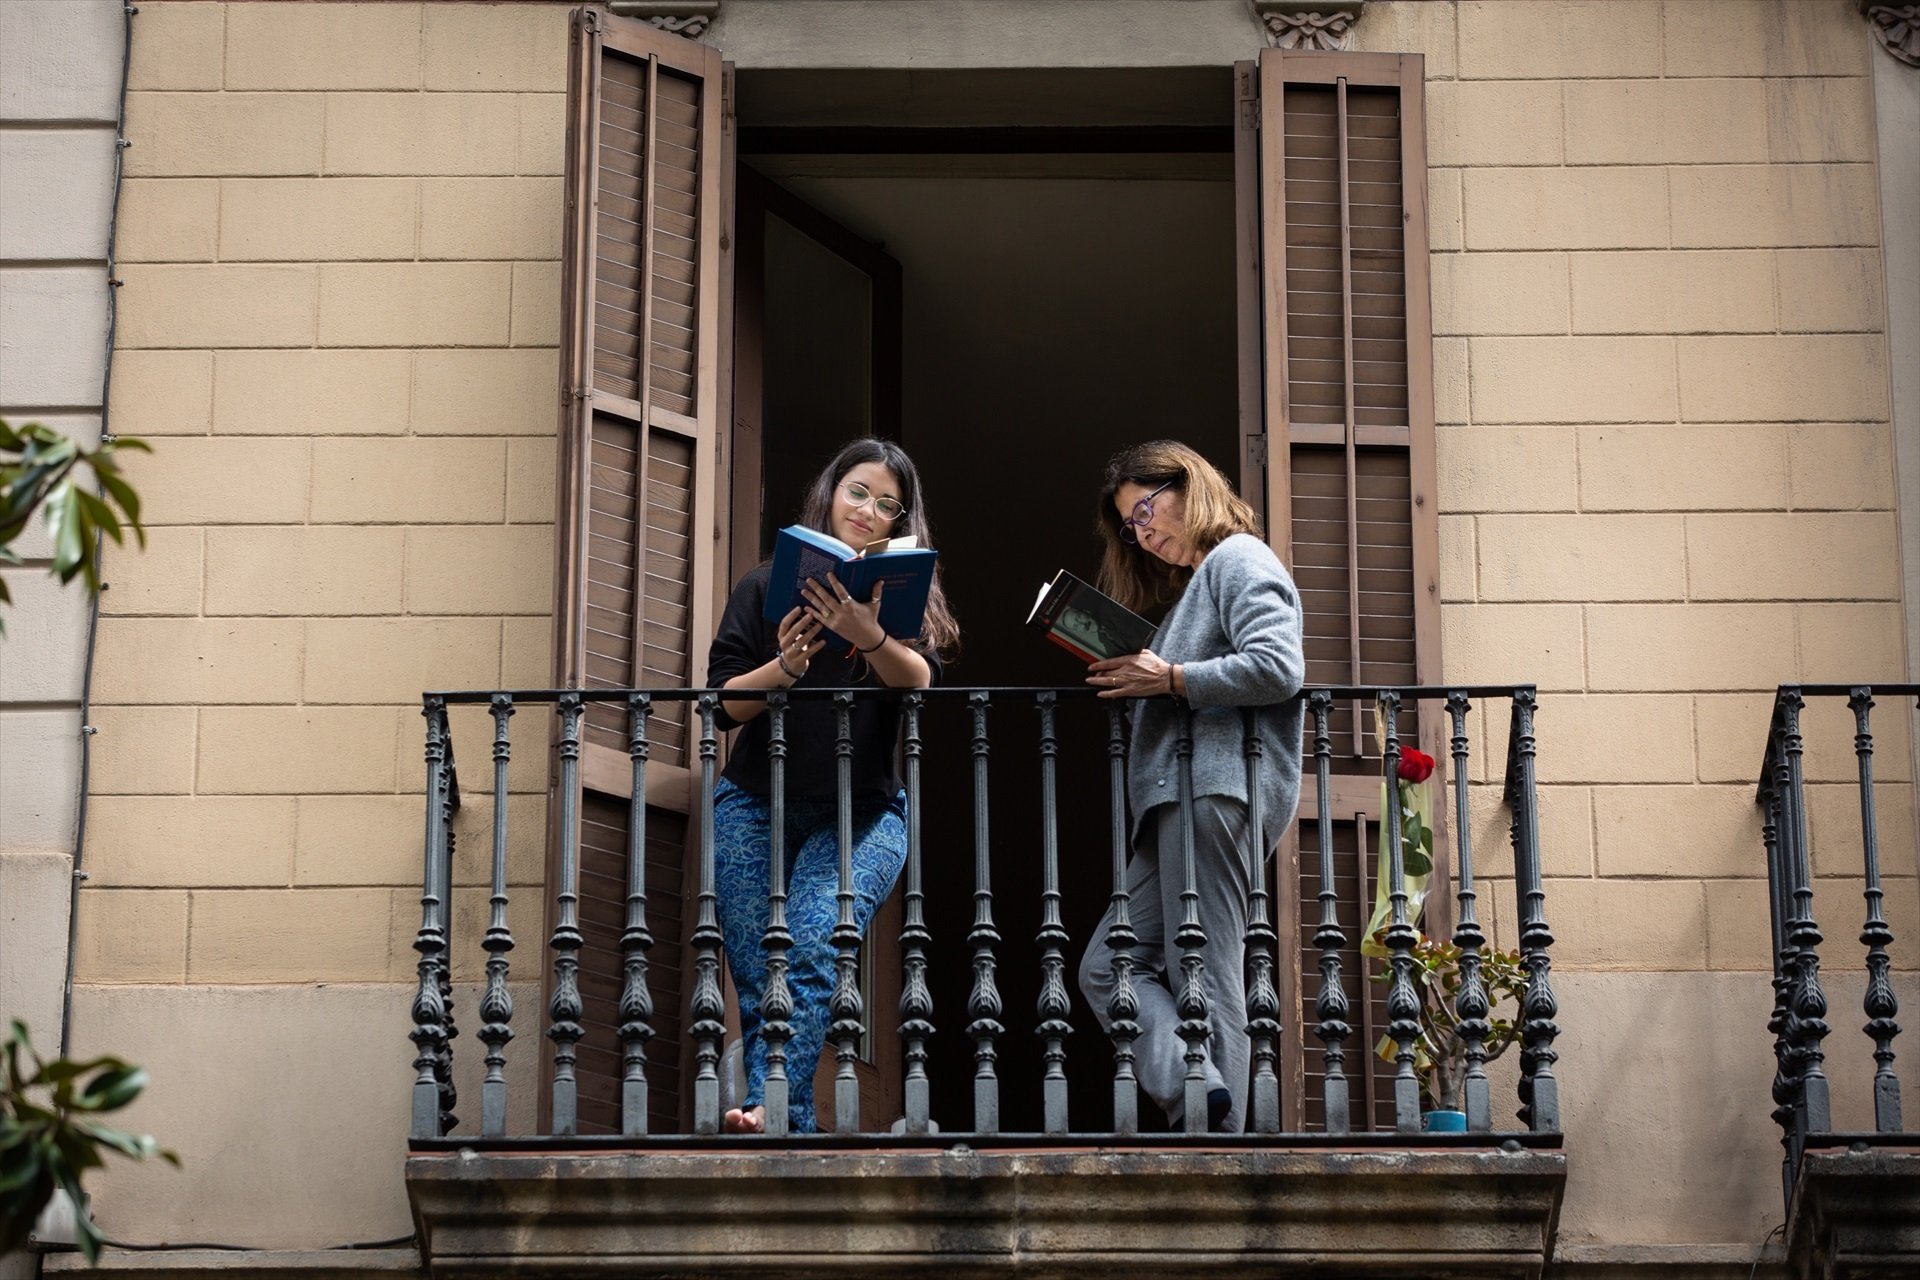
(641, 515)
(1336, 220)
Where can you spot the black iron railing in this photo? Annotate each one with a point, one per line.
(984, 1021)
(1801, 1093)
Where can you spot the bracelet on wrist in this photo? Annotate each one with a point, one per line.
(792, 675)
(877, 646)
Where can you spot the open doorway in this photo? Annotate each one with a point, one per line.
(1065, 287)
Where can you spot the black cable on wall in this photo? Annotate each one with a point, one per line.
(120, 145)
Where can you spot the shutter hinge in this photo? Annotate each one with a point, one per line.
(1257, 450)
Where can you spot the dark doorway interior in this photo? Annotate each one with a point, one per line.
(1057, 306)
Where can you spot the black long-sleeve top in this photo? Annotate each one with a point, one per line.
(745, 640)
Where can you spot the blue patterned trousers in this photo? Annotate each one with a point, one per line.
(742, 835)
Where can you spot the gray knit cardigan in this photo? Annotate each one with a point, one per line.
(1236, 633)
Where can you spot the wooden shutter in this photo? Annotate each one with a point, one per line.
(1340, 454)
(641, 517)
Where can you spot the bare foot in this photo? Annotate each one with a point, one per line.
(751, 1120)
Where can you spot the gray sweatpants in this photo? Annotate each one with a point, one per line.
(1154, 882)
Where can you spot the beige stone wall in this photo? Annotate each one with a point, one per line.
(1666, 465)
(1666, 485)
(340, 230)
(59, 103)
(339, 234)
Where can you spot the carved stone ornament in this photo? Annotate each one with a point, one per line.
(1309, 24)
(1896, 27)
(688, 18)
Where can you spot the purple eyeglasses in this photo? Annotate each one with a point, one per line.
(1142, 514)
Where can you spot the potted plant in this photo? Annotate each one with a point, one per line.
(1440, 1050)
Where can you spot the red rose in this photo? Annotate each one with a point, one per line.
(1415, 765)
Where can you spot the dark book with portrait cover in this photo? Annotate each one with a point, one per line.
(906, 567)
(1086, 622)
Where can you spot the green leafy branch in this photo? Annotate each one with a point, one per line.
(50, 1135)
(1440, 1050)
(39, 471)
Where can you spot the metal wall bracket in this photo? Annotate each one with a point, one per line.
(1309, 24)
(689, 18)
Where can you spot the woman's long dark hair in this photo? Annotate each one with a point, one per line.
(1214, 512)
(939, 632)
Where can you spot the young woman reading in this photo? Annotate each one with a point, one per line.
(868, 493)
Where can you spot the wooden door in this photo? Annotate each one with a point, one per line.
(851, 347)
(642, 522)
(1337, 426)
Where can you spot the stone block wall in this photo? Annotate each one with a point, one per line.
(59, 103)
(1666, 454)
(339, 229)
(341, 308)
(1667, 485)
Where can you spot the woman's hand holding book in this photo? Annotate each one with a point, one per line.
(832, 607)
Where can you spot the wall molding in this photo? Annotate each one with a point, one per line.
(1309, 24)
(689, 18)
(1895, 26)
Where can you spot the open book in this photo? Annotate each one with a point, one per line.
(1086, 622)
(903, 564)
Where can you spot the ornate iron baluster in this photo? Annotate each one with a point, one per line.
(1191, 1002)
(429, 1033)
(776, 1004)
(636, 1001)
(1539, 1090)
(1403, 1000)
(916, 1001)
(1779, 893)
(496, 1006)
(1879, 1002)
(983, 1001)
(1263, 1000)
(846, 1004)
(564, 1009)
(1123, 1006)
(1053, 1005)
(1809, 1027)
(443, 1065)
(1330, 1006)
(1470, 1006)
(707, 1007)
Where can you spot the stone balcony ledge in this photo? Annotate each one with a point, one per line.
(1043, 1212)
(1855, 1212)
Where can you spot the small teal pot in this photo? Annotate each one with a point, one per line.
(1444, 1122)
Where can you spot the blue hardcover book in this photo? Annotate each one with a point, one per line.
(800, 553)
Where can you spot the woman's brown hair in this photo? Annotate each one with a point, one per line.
(939, 633)
(1129, 572)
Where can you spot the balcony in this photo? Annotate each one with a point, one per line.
(1852, 1198)
(1009, 1134)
